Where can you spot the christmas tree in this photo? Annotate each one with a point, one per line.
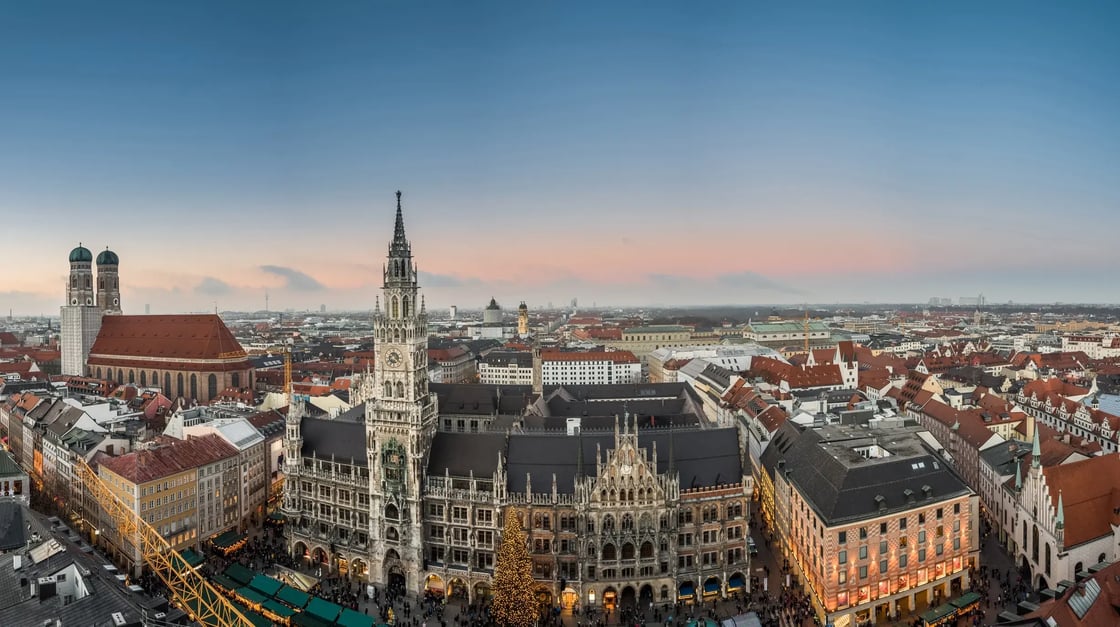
(513, 604)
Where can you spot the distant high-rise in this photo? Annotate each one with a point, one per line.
(322, 308)
(147, 309)
(453, 311)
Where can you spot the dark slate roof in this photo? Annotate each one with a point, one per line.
(344, 437)
(497, 358)
(11, 526)
(482, 400)
(702, 457)
(842, 486)
(622, 390)
(606, 422)
(458, 454)
(15, 387)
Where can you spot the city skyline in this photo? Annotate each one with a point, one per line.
(624, 155)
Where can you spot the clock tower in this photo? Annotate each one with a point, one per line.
(400, 421)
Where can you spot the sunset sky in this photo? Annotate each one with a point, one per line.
(632, 153)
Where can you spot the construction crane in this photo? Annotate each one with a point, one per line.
(188, 588)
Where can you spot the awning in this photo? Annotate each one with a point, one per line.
(229, 541)
(224, 582)
(191, 558)
(276, 518)
(266, 585)
(735, 582)
(686, 591)
(293, 597)
(251, 595)
(350, 618)
(277, 608)
(240, 574)
(303, 619)
(255, 618)
(966, 600)
(324, 609)
(711, 587)
(938, 614)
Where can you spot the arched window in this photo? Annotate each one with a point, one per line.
(132, 376)
(74, 282)
(396, 335)
(194, 386)
(608, 524)
(388, 392)
(609, 552)
(87, 283)
(98, 372)
(1047, 561)
(120, 375)
(391, 534)
(181, 391)
(627, 522)
(143, 379)
(395, 308)
(404, 307)
(627, 551)
(235, 379)
(591, 551)
(400, 389)
(211, 387)
(155, 379)
(167, 384)
(646, 522)
(647, 550)
(391, 512)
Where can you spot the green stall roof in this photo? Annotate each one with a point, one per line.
(266, 585)
(295, 598)
(240, 574)
(324, 609)
(350, 618)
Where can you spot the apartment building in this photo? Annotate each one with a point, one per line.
(161, 485)
(872, 520)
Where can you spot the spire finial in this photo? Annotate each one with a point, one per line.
(398, 200)
(1060, 521)
(1036, 451)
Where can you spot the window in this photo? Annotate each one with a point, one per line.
(882, 566)
(863, 552)
(882, 528)
(956, 544)
(921, 519)
(956, 508)
(843, 576)
(922, 554)
(940, 548)
(922, 536)
(863, 533)
(940, 513)
(863, 572)
(902, 523)
(882, 547)
(842, 557)
(843, 537)
(902, 559)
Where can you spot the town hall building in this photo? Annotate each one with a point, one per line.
(627, 492)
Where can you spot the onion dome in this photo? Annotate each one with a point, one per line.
(493, 306)
(81, 253)
(108, 258)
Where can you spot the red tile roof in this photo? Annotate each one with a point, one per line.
(164, 461)
(1090, 492)
(133, 340)
(1104, 611)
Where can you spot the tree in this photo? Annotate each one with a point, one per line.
(513, 604)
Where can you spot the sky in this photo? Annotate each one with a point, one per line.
(621, 153)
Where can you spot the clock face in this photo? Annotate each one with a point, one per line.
(393, 358)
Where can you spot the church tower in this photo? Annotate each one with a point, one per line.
(400, 420)
(108, 283)
(81, 318)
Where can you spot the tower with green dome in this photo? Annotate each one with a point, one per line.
(85, 304)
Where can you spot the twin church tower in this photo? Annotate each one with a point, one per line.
(86, 304)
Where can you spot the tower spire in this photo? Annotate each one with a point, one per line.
(1060, 520)
(399, 247)
(1036, 451)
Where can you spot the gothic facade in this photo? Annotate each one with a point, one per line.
(649, 510)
